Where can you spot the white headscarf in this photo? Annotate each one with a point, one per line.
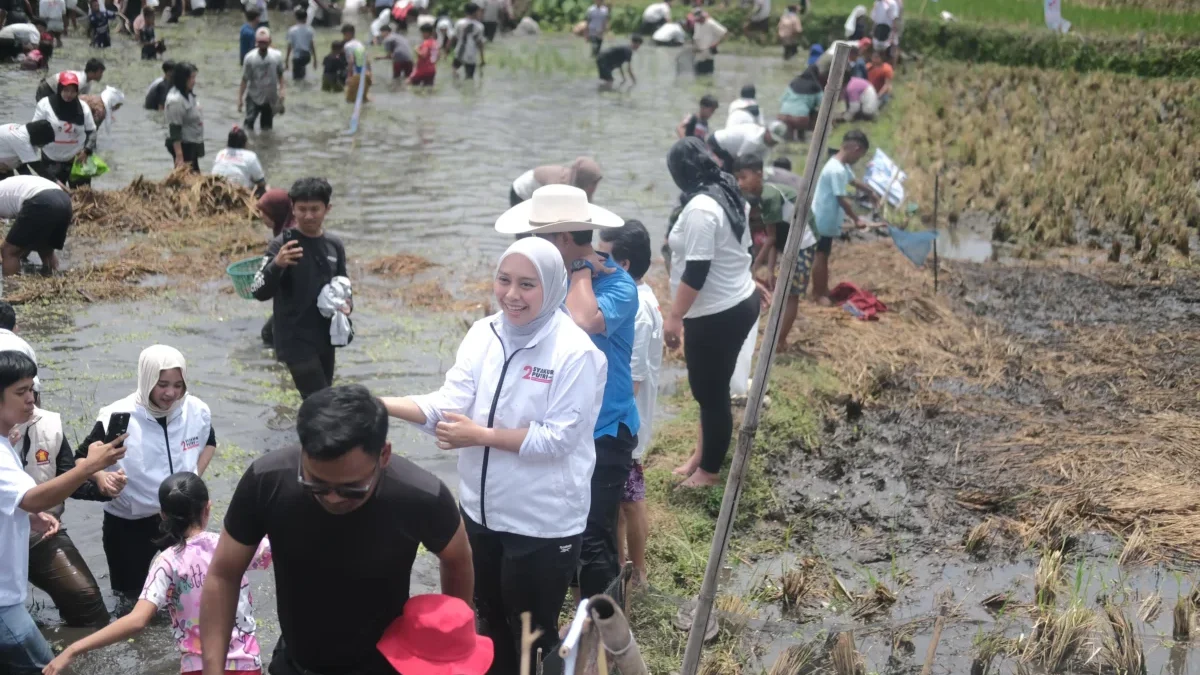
(151, 363)
(552, 274)
(112, 97)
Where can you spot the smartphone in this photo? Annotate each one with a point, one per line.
(118, 423)
(289, 235)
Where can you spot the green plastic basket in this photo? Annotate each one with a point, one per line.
(242, 272)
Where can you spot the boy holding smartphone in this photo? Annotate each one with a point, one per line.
(296, 267)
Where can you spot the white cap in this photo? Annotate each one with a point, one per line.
(261, 34)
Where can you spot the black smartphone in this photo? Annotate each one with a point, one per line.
(289, 235)
(118, 423)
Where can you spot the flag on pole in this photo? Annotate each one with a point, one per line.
(1054, 18)
(885, 178)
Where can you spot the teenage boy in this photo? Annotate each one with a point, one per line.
(333, 76)
(618, 58)
(771, 209)
(98, 20)
(22, 503)
(156, 95)
(357, 64)
(297, 266)
(597, 25)
(261, 90)
(696, 124)
(427, 56)
(397, 50)
(246, 37)
(467, 42)
(830, 205)
(629, 246)
(300, 45)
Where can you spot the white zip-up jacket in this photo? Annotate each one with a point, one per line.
(149, 457)
(553, 386)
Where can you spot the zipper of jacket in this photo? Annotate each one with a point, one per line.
(167, 438)
(487, 450)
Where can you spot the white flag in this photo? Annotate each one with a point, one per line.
(1054, 19)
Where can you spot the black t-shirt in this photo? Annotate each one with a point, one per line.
(335, 64)
(340, 580)
(301, 332)
(157, 96)
(613, 57)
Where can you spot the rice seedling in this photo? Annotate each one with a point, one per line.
(876, 601)
(977, 539)
(845, 658)
(1136, 550)
(799, 584)
(1123, 651)
(1150, 608)
(1181, 626)
(988, 647)
(1057, 636)
(801, 659)
(1047, 580)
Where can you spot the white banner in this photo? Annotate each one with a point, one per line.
(884, 177)
(1054, 19)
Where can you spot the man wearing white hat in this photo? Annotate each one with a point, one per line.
(261, 91)
(603, 301)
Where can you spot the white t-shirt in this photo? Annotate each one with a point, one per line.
(670, 33)
(69, 138)
(52, 11)
(705, 35)
(703, 233)
(659, 11)
(239, 166)
(385, 16)
(14, 191)
(22, 32)
(15, 149)
(738, 113)
(467, 50)
(14, 527)
(762, 10)
(525, 184)
(743, 140)
(885, 12)
(646, 362)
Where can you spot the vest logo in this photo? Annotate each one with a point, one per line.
(42, 457)
(542, 375)
(191, 443)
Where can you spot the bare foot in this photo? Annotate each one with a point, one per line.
(689, 467)
(701, 478)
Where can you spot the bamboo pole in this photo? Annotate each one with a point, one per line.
(937, 192)
(528, 637)
(766, 356)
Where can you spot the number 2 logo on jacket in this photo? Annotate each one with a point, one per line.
(191, 443)
(543, 375)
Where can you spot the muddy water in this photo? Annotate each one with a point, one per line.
(427, 173)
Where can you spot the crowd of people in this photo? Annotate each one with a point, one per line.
(549, 405)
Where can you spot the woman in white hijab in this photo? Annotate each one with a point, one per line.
(519, 406)
(169, 430)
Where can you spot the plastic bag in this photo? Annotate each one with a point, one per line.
(92, 167)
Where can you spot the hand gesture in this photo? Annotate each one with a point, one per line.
(289, 255)
(102, 455)
(59, 664)
(459, 431)
(111, 482)
(600, 264)
(44, 524)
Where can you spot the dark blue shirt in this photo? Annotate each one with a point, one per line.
(617, 298)
(246, 41)
(99, 20)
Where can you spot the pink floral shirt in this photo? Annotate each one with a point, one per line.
(175, 580)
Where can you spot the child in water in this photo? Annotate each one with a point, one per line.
(175, 582)
(334, 77)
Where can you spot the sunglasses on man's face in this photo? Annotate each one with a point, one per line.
(354, 492)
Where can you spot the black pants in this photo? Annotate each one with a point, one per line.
(313, 374)
(300, 65)
(468, 68)
(648, 27)
(710, 347)
(56, 567)
(129, 547)
(254, 110)
(515, 574)
(596, 43)
(790, 51)
(704, 67)
(598, 563)
(192, 152)
(489, 30)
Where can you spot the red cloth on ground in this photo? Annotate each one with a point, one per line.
(865, 302)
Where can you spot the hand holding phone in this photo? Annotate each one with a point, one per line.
(290, 253)
(118, 424)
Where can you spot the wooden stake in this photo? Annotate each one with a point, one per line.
(528, 637)
(937, 178)
(933, 643)
(762, 372)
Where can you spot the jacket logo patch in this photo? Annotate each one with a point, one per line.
(543, 375)
(191, 443)
(42, 457)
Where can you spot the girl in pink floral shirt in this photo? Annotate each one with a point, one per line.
(175, 581)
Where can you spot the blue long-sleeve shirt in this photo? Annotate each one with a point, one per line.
(245, 42)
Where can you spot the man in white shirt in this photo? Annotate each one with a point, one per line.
(745, 110)
(18, 38)
(670, 35)
(467, 42)
(19, 144)
(706, 35)
(262, 89)
(745, 140)
(42, 210)
(884, 14)
(655, 16)
(22, 501)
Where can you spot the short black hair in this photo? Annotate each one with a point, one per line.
(748, 91)
(40, 22)
(581, 237)
(301, 14)
(709, 101)
(387, 26)
(93, 65)
(168, 66)
(337, 44)
(311, 190)
(782, 163)
(748, 163)
(427, 28)
(237, 138)
(635, 39)
(40, 133)
(470, 8)
(14, 367)
(336, 420)
(631, 243)
(252, 14)
(856, 136)
(348, 28)
(8, 316)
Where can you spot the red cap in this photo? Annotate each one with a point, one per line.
(67, 77)
(436, 636)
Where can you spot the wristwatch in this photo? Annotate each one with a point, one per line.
(582, 264)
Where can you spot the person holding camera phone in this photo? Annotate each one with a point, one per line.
(167, 430)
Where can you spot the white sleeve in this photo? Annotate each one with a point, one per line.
(570, 415)
(639, 364)
(14, 483)
(458, 391)
(699, 235)
(42, 110)
(254, 168)
(89, 124)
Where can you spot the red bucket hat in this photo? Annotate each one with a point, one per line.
(436, 636)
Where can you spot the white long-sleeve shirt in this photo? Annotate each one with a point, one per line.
(553, 386)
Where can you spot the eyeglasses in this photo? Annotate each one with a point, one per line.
(343, 491)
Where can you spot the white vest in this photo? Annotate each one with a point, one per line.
(45, 434)
(149, 457)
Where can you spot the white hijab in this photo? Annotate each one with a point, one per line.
(552, 274)
(151, 363)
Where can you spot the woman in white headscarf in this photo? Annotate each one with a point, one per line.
(520, 405)
(169, 431)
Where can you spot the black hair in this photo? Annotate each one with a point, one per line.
(748, 91)
(709, 101)
(635, 39)
(47, 50)
(311, 190)
(348, 28)
(14, 367)
(40, 133)
(252, 14)
(8, 315)
(782, 163)
(387, 26)
(470, 8)
(93, 65)
(427, 28)
(631, 243)
(182, 498)
(301, 14)
(337, 44)
(581, 237)
(180, 76)
(237, 138)
(336, 420)
(168, 66)
(148, 12)
(40, 22)
(748, 163)
(856, 136)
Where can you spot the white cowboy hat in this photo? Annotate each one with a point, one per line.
(556, 208)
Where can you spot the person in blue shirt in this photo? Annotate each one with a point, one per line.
(603, 301)
(246, 39)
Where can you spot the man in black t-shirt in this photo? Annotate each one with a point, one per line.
(344, 518)
(615, 58)
(296, 267)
